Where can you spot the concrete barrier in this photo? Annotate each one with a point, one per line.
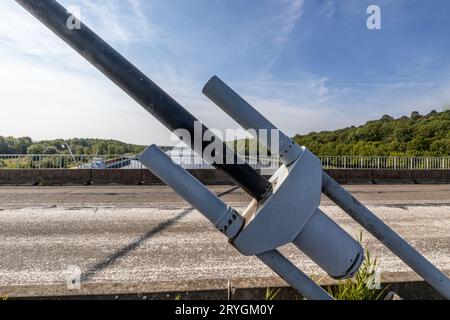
(150, 179)
(209, 177)
(51, 177)
(206, 176)
(344, 176)
(363, 176)
(19, 177)
(116, 176)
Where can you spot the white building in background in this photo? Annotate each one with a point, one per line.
(187, 158)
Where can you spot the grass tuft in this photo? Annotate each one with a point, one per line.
(363, 285)
(271, 294)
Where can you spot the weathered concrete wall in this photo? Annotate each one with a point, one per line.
(19, 177)
(45, 177)
(63, 177)
(349, 176)
(210, 177)
(116, 176)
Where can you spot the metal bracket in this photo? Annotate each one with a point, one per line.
(279, 218)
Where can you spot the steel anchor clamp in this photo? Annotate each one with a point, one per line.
(288, 214)
(291, 214)
(231, 223)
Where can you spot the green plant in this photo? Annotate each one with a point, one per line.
(271, 294)
(178, 297)
(361, 286)
(418, 135)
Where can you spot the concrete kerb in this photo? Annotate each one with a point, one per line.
(406, 284)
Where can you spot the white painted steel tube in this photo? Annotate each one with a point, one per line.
(193, 191)
(437, 279)
(322, 239)
(294, 276)
(214, 209)
(250, 119)
(328, 245)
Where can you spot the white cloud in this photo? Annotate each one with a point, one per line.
(21, 33)
(287, 19)
(295, 107)
(290, 15)
(328, 8)
(44, 103)
(49, 91)
(117, 21)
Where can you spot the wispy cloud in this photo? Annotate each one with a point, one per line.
(49, 91)
(120, 22)
(393, 85)
(328, 8)
(287, 19)
(21, 33)
(291, 11)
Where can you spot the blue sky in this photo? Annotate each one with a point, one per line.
(309, 65)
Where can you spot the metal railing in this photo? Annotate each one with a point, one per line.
(193, 161)
(65, 161)
(386, 163)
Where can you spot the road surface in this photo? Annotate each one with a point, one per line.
(133, 235)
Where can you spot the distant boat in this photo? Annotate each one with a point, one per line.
(100, 163)
(97, 163)
(114, 163)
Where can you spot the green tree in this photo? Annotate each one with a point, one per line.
(414, 136)
(50, 150)
(35, 149)
(415, 115)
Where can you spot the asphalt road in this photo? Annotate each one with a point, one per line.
(132, 235)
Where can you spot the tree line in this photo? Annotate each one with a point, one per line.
(416, 135)
(25, 145)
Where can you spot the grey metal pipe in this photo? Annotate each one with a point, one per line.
(322, 240)
(328, 245)
(223, 217)
(138, 86)
(344, 199)
(250, 119)
(294, 276)
(193, 191)
(437, 279)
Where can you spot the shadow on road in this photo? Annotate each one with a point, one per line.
(122, 252)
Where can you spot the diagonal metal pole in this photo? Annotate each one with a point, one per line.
(224, 218)
(248, 117)
(170, 113)
(436, 278)
(294, 276)
(143, 90)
